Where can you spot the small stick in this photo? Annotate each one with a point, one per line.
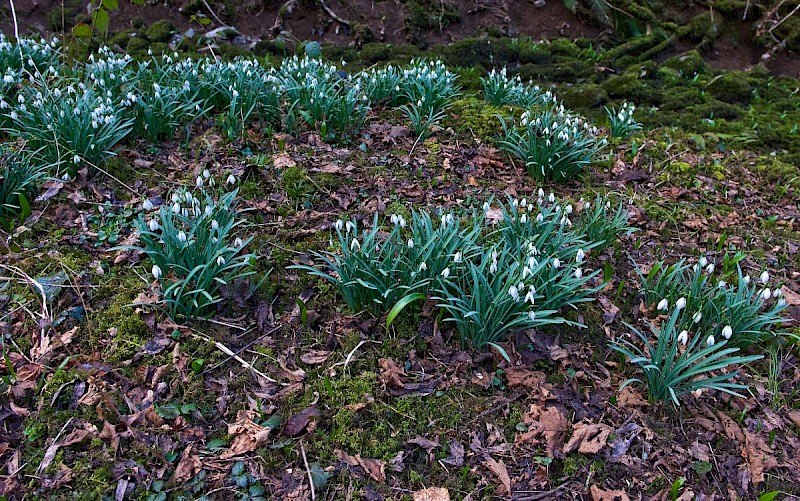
(308, 470)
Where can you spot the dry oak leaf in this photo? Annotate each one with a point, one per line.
(546, 425)
(315, 357)
(599, 494)
(500, 470)
(520, 376)
(629, 397)
(283, 161)
(375, 468)
(432, 494)
(391, 373)
(188, 466)
(732, 430)
(588, 438)
(247, 435)
(759, 456)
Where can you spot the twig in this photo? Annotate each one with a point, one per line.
(224, 349)
(213, 13)
(240, 350)
(350, 355)
(793, 12)
(333, 14)
(308, 470)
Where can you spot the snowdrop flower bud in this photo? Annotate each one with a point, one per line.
(782, 302)
(683, 337)
(231, 179)
(339, 224)
(703, 262)
(727, 332)
(220, 261)
(710, 341)
(532, 315)
(199, 182)
(766, 294)
(777, 293)
(214, 225)
(176, 208)
(662, 305)
(578, 273)
(394, 219)
(523, 219)
(764, 277)
(206, 173)
(402, 221)
(76, 159)
(181, 236)
(568, 209)
(556, 263)
(681, 304)
(156, 271)
(486, 207)
(539, 218)
(410, 243)
(147, 205)
(153, 224)
(580, 256)
(697, 317)
(445, 272)
(540, 193)
(710, 268)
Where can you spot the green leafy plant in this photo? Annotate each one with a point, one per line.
(20, 179)
(603, 222)
(745, 313)
(622, 122)
(553, 145)
(674, 364)
(191, 245)
(499, 90)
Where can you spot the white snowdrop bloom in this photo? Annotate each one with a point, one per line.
(532, 315)
(339, 224)
(65, 177)
(493, 267)
(410, 243)
(551, 198)
(486, 207)
(568, 209)
(76, 159)
(523, 218)
(523, 202)
(710, 268)
(578, 273)
(231, 179)
(220, 261)
(445, 272)
(727, 332)
(681, 304)
(580, 256)
(722, 284)
(423, 266)
(697, 317)
(746, 279)
(766, 294)
(662, 305)
(530, 297)
(208, 210)
(199, 182)
(703, 262)
(514, 293)
(147, 205)
(556, 263)
(182, 236)
(683, 337)
(176, 208)
(214, 225)
(540, 193)
(153, 224)
(402, 222)
(764, 277)
(355, 243)
(782, 302)
(394, 219)
(350, 226)
(457, 258)
(710, 341)
(175, 197)
(777, 293)
(206, 173)
(156, 271)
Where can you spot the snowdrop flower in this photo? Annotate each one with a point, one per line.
(199, 182)
(457, 257)
(568, 209)
(176, 197)
(410, 243)
(766, 294)
(206, 173)
(339, 224)
(777, 293)
(147, 205)
(782, 302)
(220, 261)
(208, 210)
(445, 272)
(683, 337)
(532, 315)
(176, 208)
(65, 177)
(355, 244)
(486, 207)
(662, 305)
(531, 295)
(727, 332)
(764, 277)
(551, 198)
(350, 226)
(539, 218)
(214, 225)
(697, 317)
(238, 242)
(540, 193)
(181, 236)
(514, 293)
(423, 266)
(231, 179)
(523, 219)
(394, 219)
(746, 279)
(580, 256)
(710, 341)
(710, 268)
(681, 304)
(156, 271)
(556, 263)
(578, 273)
(153, 224)
(76, 159)
(703, 262)
(722, 284)
(493, 267)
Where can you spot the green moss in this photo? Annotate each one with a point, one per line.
(428, 15)
(477, 118)
(131, 331)
(160, 31)
(584, 97)
(689, 64)
(121, 39)
(137, 46)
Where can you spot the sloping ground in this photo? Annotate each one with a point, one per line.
(124, 403)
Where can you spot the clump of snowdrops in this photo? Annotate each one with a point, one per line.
(499, 90)
(192, 246)
(621, 121)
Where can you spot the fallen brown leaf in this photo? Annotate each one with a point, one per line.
(501, 472)
(307, 418)
(547, 426)
(432, 494)
(599, 494)
(759, 456)
(375, 468)
(315, 357)
(519, 376)
(588, 438)
(247, 435)
(188, 466)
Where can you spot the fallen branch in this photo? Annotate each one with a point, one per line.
(333, 15)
